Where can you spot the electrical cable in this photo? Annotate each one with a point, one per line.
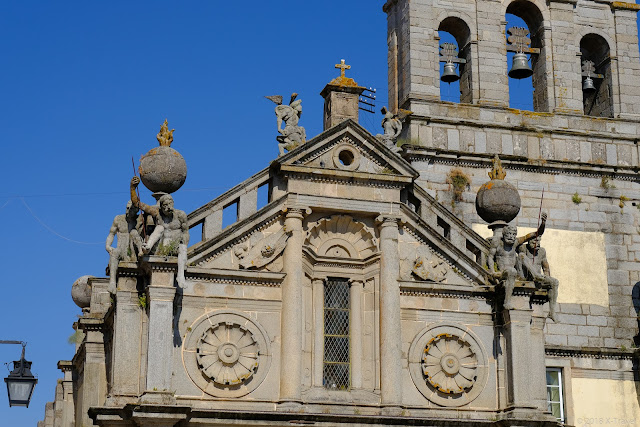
(52, 231)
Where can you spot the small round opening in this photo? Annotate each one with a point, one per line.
(346, 157)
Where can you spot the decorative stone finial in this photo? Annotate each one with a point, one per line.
(342, 80)
(497, 172)
(497, 201)
(165, 136)
(341, 98)
(163, 169)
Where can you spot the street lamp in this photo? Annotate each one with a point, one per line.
(20, 382)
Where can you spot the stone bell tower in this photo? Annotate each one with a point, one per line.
(575, 156)
(563, 34)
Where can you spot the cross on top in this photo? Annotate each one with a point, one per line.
(343, 67)
(519, 38)
(448, 51)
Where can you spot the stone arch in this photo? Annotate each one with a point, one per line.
(536, 17)
(341, 236)
(597, 49)
(457, 25)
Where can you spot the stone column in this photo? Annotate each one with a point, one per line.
(127, 326)
(318, 331)
(390, 333)
(291, 314)
(93, 391)
(355, 331)
(68, 407)
(160, 295)
(518, 338)
(538, 366)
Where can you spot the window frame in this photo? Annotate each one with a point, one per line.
(561, 393)
(345, 280)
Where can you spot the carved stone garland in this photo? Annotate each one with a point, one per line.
(449, 364)
(228, 354)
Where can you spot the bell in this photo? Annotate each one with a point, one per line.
(587, 85)
(449, 74)
(520, 68)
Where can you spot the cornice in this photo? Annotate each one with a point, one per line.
(484, 161)
(592, 352)
(240, 277)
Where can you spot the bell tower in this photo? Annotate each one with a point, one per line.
(566, 42)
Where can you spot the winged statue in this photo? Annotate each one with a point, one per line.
(291, 135)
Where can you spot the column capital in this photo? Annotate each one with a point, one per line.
(386, 220)
(294, 211)
(357, 282)
(315, 280)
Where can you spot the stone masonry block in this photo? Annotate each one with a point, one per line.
(589, 331)
(573, 319)
(577, 341)
(561, 329)
(556, 339)
(596, 321)
(617, 277)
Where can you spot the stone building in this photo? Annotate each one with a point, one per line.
(361, 293)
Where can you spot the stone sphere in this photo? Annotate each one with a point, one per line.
(81, 292)
(163, 169)
(497, 200)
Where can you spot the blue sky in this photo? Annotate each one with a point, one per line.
(86, 85)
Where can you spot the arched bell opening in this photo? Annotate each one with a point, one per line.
(597, 87)
(455, 61)
(525, 56)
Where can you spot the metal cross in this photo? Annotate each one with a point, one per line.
(519, 38)
(448, 51)
(343, 67)
(589, 70)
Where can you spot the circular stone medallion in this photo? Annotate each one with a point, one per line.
(448, 364)
(226, 354)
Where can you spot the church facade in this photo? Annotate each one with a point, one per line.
(369, 289)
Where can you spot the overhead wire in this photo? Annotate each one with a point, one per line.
(51, 230)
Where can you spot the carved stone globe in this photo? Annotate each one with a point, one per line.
(497, 200)
(163, 169)
(81, 292)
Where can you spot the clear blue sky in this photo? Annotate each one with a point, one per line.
(86, 85)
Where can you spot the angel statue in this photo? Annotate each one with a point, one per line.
(392, 125)
(292, 135)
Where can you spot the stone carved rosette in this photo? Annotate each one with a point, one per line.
(226, 354)
(448, 364)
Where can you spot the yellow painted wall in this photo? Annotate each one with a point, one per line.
(577, 259)
(604, 402)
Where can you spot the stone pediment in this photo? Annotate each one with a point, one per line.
(250, 243)
(347, 150)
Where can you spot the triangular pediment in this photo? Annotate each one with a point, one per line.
(255, 241)
(347, 149)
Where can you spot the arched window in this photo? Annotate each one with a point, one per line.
(525, 42)
(455, 60)
(596, 76)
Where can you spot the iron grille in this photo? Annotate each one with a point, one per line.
(337, 367)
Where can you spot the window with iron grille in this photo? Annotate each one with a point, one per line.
(555, 398)
(337, 367)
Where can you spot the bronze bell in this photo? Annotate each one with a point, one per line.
(449, 75)
(520, 68)
(587, 85)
